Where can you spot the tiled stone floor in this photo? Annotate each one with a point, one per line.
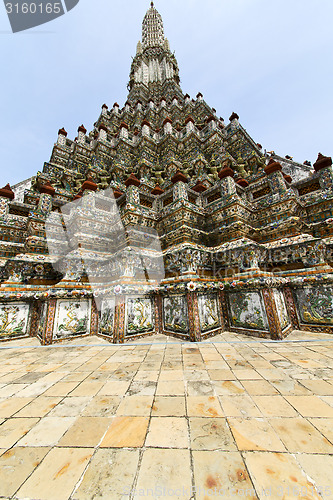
(234, 417)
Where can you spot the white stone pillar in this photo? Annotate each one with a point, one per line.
(145, 128)
(123, 134)
(81, 138)
(167, 125)
(62, 134)
(103, 133)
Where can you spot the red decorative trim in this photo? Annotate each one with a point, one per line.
(234, 116)
(50, 315)
(47, 188)
(272, 315)
(193, 317)
(82, 129)
(157, 190)
(189, 119)
(322, 162)
(273, 166)
(199, 187)
(7, 192)
(223, 307)
(35, 313)
(167, 120)
(63, 132)
(242, 182)
(132, 181)
(291, 308)
(89, 185)
(226, 172)
(179, 177)
(94, 319)
(117, 193)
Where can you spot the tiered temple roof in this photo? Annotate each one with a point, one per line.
(228, 214)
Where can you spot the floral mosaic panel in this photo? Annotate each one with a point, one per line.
(72, 318)
(140, 315)
(281, 308)
(247, 310)
(107, 316)
(14, 319)
(315, 304)
(175, 315)
(208, 312)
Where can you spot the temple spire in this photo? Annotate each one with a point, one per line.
(152, 28)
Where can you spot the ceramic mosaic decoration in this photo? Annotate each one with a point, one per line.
(166, 219)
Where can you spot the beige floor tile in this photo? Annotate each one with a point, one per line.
(87, 389)
(47, 432)
(204, 406)
(170, 388)
(57, 475)
(101, 406)
(75, 377)
(259, 388)
(247, 374)
(197, 388)
(13, 429)
(272, 374)
(70, 407)
(274, 406)
(85, 432)
(111, 482)
(16, 465)
(61, 389)
(171, 375)
(141, 388)
(239, 406)
(324, 425)
(278, 475)
(223, 374)
(139, 406)
(39, 407)
(168, 432)
(319, 387)
(211, 434)
(146, 375)
(221, 474)
(255, 434)
(165, 470)
(169, 406)
(150, 366)
(320, 469)
(216, 364)
(310, 406)
(10, 406)
(299, 436)
(327, 399)
(196, 375)
(290, 387)
(35, 389)
(114, 388)
(126, 432)
(11, 389)
(228, 387)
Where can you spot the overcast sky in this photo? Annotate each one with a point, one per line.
(271, 61)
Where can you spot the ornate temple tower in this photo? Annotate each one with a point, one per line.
(245, 235)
